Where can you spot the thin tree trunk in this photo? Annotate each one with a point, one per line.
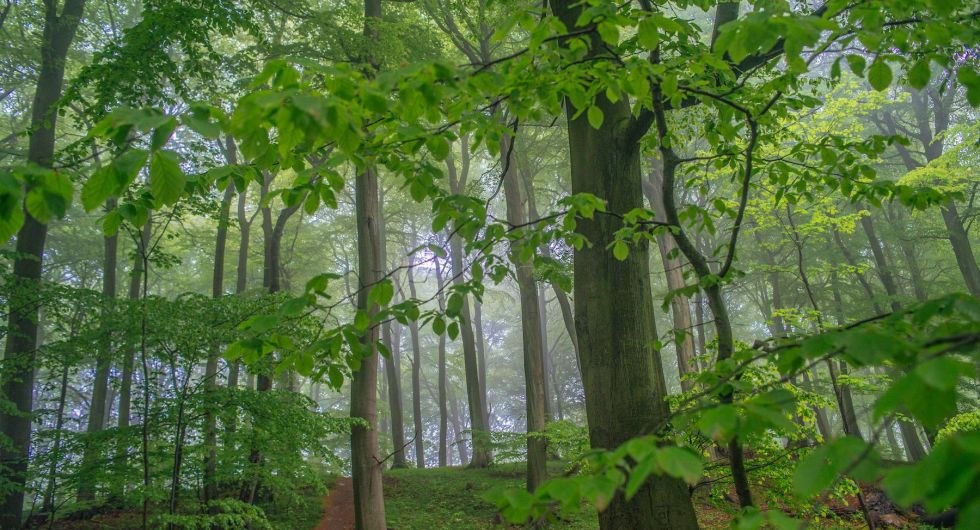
(22, 329)
(481, 352)
(443, 383)
(680, 305)
(211, 367)
(103, 362)
(129, 358)
(479, 427)
(962, 248)
(532, 330)
(391, 363)
(456, 418)
(413, 330)
(881, 263)
(49, 491)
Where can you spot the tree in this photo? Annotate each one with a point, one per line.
(22, 328)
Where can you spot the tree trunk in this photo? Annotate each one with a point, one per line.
(103, 362)
(457, 420)
(369, 508)
(481, 356)
(881, 263)
(413, 331)
(22, 329)
(614, 315)
(680, 306)
(868, 290)
(129, 359)
(479, 427)
(211, 368)
(391, 363)
(962, 249)
(532, 330)
(443, 383)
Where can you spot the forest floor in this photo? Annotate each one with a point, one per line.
(338, 506)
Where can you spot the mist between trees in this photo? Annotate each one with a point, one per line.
(684, 264)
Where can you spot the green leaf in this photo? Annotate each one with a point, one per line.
(161, 135)
(382, 293)
(857, 64)
(438, 146)
(595, 117)
(919, 74)
(819, 469)
(99, 187)
(880, 74)
(970, 79)
(620, 250)
(638, 476)
(438, 325)
(167, 180)
(680, 463)
(50, 197)
(719, 423)
(361, 321)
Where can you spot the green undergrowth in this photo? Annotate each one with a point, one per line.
(453, 497)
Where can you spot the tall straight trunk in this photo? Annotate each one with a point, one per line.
(962, 248)
(881, 263)
(481, 354)
(369, 508)
(457, 420)
(443, 383)
(413, 331)
(625, 392)
(849, 258)
(391, 363)
(823, 425)
(476, 404)
(532, 330)
(896, 217)
(699, 324)
(844, 397)
(680, 305)
(211, 367)
(913, 446)
(103, 361)
(49, 491)
(779, 330)
(932, 122)
(547, 361)
(22, 329)
(129, 358)
(563, 304)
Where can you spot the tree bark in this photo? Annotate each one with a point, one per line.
(211, 367)
(22, 329)
(532, 329)
(103, 361)
(369, 508)
(680, 306)
(881, 263)
(443, 383)
(479, 427)
(413, 331)
(391, 363)
(614, 309)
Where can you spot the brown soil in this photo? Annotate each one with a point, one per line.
(338, 507)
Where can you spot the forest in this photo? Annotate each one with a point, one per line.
(426, 264)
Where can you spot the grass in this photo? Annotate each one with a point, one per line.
(452, 498)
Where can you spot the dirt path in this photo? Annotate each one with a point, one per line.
(338, 507)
